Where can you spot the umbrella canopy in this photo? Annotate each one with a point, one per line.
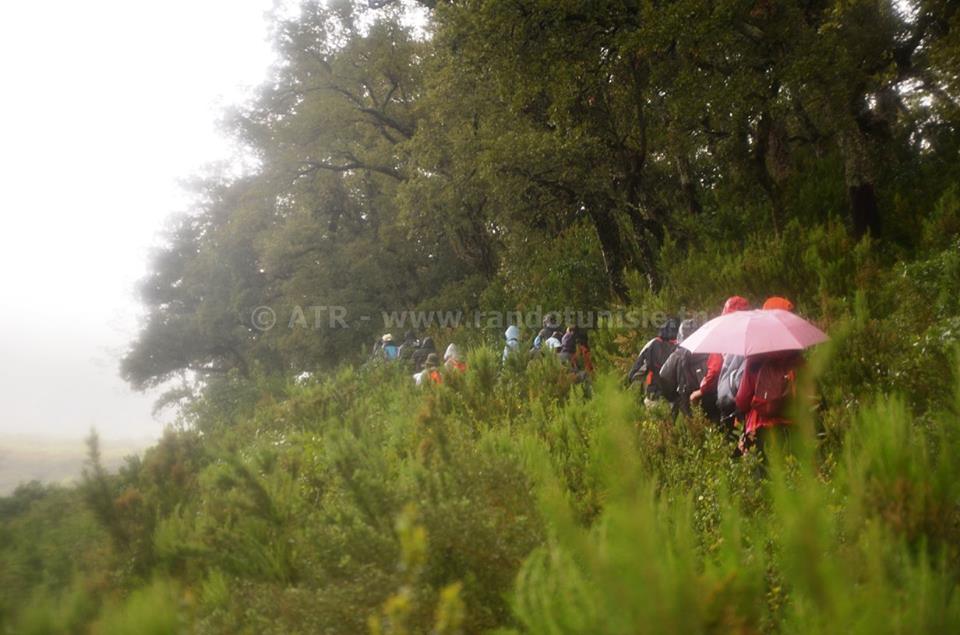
(754, 332)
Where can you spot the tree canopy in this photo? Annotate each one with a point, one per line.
(513, 153)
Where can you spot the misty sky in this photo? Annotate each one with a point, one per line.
(106, 104)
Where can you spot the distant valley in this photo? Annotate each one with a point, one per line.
(24, 458)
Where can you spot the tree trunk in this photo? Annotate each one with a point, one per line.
(681, 161)
(858, 173)
(764, 134)
(611, 247)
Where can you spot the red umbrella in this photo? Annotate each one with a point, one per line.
(754, 332)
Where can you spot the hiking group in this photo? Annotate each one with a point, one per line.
(747, 395)
(570, 345)
(739, 369)
(420, 355)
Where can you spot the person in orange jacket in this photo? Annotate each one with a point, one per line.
(707, 393)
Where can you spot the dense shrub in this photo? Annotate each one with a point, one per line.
(515, 497)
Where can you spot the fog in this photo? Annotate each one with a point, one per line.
(106, 105)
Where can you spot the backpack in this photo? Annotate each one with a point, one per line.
(776, 385)
(692, 368)
(729, 383)
(407, 349)
(651, 359)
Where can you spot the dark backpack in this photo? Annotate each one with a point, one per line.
(650, 361)
(776, 385)
(693, 367)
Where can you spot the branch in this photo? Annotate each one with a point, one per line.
(352, 163)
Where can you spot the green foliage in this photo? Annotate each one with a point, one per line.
(520, 153)
(523, 155)
(151, 610)
(516, 500)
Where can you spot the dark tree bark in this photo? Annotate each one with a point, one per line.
(611, 247)
(864, 211)
(764, 134)
(861, 190)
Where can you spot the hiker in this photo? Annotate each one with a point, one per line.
(408, 346)
(777, 302)
(683, 371)
(731, 374)
(581, 357)
(388, 347)
(545, 334)
(430, 371)
(550, 326)
(706, 394)
(765, 392)
(452, 360)
(568, 345)
(552, 343)
(539, 341)
(646, 369)
(419, 356)
(512, 335)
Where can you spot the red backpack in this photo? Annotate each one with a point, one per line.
(776, 386)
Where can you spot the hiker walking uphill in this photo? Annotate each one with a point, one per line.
(646, 368)
(767, 386)
(452, 359)
(582, 362)
(706, 394)
(575, 350)
(430, 372)
(683, 371)
(388, 349)
(731, 374)
(420, 355)
(408, 347)
(765, 393)
(568, 344)
(550, 328)
(771, 341)
(512, 345)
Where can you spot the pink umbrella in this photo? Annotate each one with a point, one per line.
(754, 332)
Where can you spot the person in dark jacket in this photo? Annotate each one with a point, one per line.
(683, 371)
(646, 369)
(408, 346)
(420, 355)
(550, 326)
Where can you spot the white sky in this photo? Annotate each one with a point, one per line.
(104, 105)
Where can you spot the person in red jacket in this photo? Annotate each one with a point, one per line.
(767, 387)
(764, 405)
(707, 393)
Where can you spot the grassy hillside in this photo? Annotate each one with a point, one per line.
(513, 499)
